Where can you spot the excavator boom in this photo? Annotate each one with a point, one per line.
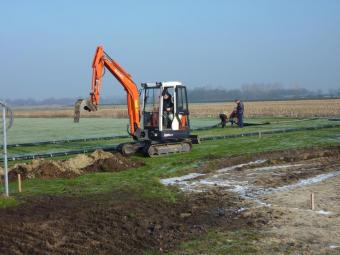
(101, 61)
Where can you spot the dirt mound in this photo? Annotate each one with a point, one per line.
(98, 161)
(78, 162)
(44, 169)
(50, 169)
(119, 223)
(114, 163)
(100, 154)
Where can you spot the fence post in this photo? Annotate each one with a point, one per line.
(5, 149)
(312, 201)
(19, 183)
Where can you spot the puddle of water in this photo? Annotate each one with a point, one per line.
(322, 212)
(334, 246)
(242, 209)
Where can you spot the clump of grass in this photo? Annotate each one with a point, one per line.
(7, 201)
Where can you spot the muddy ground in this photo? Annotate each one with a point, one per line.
(119, 223)
(267, 192)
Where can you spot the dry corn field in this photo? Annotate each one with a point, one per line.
(296, 108)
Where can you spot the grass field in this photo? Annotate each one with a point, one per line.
(49, 129)
(292, 108)
(217, 148)
(178, 164)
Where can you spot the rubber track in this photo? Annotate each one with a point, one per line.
(113, 148)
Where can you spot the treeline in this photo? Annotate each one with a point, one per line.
(257, 92)
(251, 92)
(30, 102)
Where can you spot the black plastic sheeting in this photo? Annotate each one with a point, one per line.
(104, 137)
(67, 141)
(113, 148)
(288, 130)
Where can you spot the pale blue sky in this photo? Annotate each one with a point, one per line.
(46, 47)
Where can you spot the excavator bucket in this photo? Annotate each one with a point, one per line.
(85, 104)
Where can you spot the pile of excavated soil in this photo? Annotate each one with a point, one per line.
(112, 164)
(117, 223)
(98, 161)
(39, 168)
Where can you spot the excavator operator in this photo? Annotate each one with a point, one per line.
(168, 109)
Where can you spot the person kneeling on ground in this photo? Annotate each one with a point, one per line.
(223, 118)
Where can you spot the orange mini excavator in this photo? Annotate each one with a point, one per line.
(161, 127)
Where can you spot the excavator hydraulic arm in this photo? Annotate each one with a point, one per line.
(101, 61)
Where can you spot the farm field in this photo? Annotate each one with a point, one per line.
(291, 108)
(52, 129)
(245, 195)
(49, 129)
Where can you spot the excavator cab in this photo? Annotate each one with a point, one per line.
(165, 111)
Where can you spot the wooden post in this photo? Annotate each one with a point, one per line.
(260, 134)
(312, 201)
(19, 182)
